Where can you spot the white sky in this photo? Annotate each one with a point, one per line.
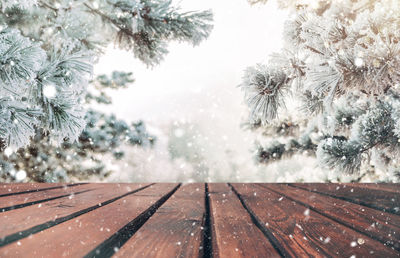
(200, 84)
(243, 35)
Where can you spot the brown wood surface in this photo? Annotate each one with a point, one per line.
(383, 200)
(374, 223)
(175, 230)
(234, 234)
(77, 237)
(299, 231)
(376, 186)
(21, 200)
(193, 220)
(14, 222)
(16, 188)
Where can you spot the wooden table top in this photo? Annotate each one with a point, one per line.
(192, 220)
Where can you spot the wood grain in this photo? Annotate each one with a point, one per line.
(234, 233)
(376, 224)
(299, 231)
(16, 188)
(175, 230)
(77, 237)
(31, 198)
(373, 198)
(395, 188)
(157, 220)
(25, 221)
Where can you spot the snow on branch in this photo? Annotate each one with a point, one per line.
(48, 48)
(341, 59)
(264, 90)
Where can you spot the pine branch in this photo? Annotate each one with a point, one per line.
(264, 89)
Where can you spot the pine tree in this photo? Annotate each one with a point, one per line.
(47, 51)
(48, 48)
(101, 143)
(341, 61)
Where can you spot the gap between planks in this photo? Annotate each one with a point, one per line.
(154, 212)
(370, 222)
(297, 234)
(23, 188)
(17, 227)
(156, 196)
(369, 197)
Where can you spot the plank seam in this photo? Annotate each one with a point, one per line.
(19, 206)
(35, 229)
(373, 186)
(42, 189)
(360, 202)
(389, 244)
(268, 234)
(111, 245)
(207, 235)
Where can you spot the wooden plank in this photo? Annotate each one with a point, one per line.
(379, 225)
(16, 224)
(298, 231)
(377, 199)
(31, 198)
(175, 230)
(77, 237)
(234, 233)
(17, 188)
(389, 187)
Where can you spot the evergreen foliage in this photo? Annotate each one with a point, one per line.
(48, 48)
(102, 141)
(341, 61)
(47, 51)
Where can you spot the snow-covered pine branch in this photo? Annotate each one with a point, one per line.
(342, 60)
(5, 4)
(102, 142)
(48, 48)
(264, 89)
